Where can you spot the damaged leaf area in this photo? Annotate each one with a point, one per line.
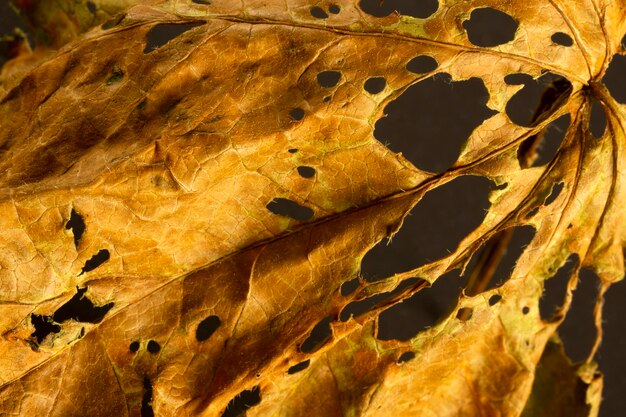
(188, 188)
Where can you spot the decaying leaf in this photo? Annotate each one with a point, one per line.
(186, 185)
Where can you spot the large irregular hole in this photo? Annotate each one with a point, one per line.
(44, 325)
(538, 99)
(349, 287)
(578, 330)
(405, 357)
(433, 229)
(328, 79)
(555, 289)
(163, 33)
(597, 123)
(562, 39)
(207, 327)
(77, 225)
(146, 400)
(494, 262)
(614, 78)
(299, 367)
(489, 27)
(320, 334)
(420, 9)
(430, 121)
(422, 64)
(289, 208)
(360, 307)
(554, 193)
(95, 261)
(423, 310)
(243, 401)
(82, 309)
(541, 149)
(117, 74)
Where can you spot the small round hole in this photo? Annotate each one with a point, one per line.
(375, 85)
(494, 299)
(526, 310)
(153, 347)
(134, 346)
(318, 13)
(334, 9)
(297, 114)
(328, 79)
(306, 171)
(562, 39)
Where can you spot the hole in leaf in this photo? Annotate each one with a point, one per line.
(434, 228)
(357, 308)
(320, 334)
(537, 99)
(91, 7)
(299, 367)
(306, 171)
(289, 208)
(423, 310)
(163, 33)
(318, 13)
(349, 287)
(77, 225)
(489, 27)
(334, 9)
(292, 150)
(297, 114)
(422, 64)
(501, 252)
(562, 39)
(405, 357)
(328, 79)
(202, 2)
(326, 99)
(578, 330)
(134, 346)
(153, 347)
(80, 308)
(44, 325)
(419, 9)
(116, 76)
(98, 259)
(375, 85)
(597, 124)
(555, 289)
(542, 148)
(207, 327)
(430, 121)
(243, 401)
(614, 77)
(114, 21)
(494, 299)
(556, 190)
(142, 105)
(526, 310)
(464, 313)
(146, 401)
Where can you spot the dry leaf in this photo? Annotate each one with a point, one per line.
(177, 215)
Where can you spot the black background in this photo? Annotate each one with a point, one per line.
(428, 125)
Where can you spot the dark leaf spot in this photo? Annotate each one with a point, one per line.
(597, 123)
(334, 9)
(614, 77)
(562, 39)
(556, 190)
(289, 208)
(422, 310)
(207, 327)
(146, 401)
(98, 259)
(555, 289)
(543, 147)
(406, 356)
(306, 171)
(202, 2)
(518, 78)
(525, 310)
(419, 9)
(464, 313)
(163, 33)
(243, 401)
(489, 27)
(153, 347)
(434, 228)
(320, 334)
(318, 13)
(349, 287)
(375, 85)
(142, 104)
(299, 367)
(328, 79)
(297, 114)
(538, 99)
(134, 346)
(422, 64)
(437, 115)
(80, 308)
(77, 225)
(494, 299)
